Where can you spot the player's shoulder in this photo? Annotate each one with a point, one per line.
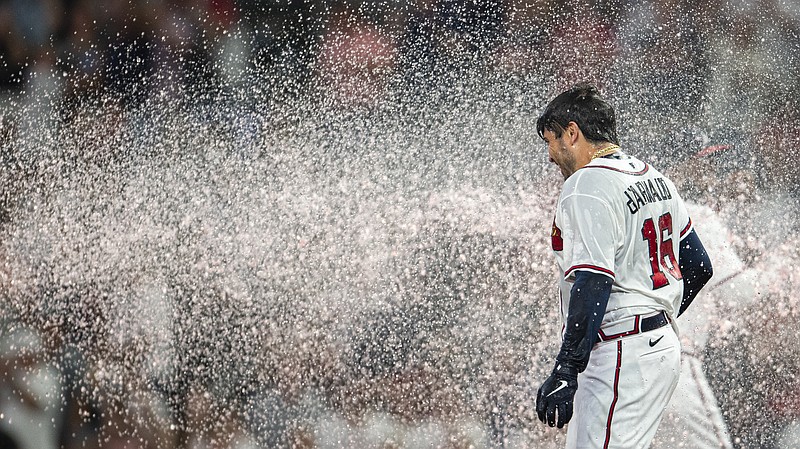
(587, 188)
(702, 213)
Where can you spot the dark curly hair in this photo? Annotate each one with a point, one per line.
(583, 105)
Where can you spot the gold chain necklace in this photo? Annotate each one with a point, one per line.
(604, 152)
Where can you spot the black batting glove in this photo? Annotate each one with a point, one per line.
(557, 394)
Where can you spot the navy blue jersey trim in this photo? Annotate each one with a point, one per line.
(589, 267)
(685, 230)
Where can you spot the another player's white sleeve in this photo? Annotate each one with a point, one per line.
(681, 219)
(593, 230)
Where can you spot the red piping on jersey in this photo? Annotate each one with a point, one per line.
(590, 267)
(634, 173)
(686, 229)
(604, 337)
(616, 395)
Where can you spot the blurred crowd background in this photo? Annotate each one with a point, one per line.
(719, 70)
(83, 82)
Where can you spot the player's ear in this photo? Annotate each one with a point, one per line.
(572, 132)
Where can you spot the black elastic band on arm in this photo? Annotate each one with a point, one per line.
(587, 305)
(695, 267)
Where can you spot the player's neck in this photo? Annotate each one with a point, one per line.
(587, 152)
(603, 150)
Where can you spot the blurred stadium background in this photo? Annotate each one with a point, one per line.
(325, 223)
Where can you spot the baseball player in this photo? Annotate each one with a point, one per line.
(631, 263)
(693, 418)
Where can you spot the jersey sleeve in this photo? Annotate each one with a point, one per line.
(593, 230)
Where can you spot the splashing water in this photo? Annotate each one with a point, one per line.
(191, 253)
(361, 260)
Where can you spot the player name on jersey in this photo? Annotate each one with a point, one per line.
(646, 192)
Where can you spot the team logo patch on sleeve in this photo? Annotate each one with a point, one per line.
(555, 238)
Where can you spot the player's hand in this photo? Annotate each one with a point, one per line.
(557, 394)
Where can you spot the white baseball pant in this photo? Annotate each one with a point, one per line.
(693, 418)
(624, 390)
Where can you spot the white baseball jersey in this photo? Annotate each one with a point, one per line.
(693, 417)
(622, 218)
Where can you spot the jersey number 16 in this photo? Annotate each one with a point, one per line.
(659, 244)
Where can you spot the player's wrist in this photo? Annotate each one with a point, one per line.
(565, 369)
